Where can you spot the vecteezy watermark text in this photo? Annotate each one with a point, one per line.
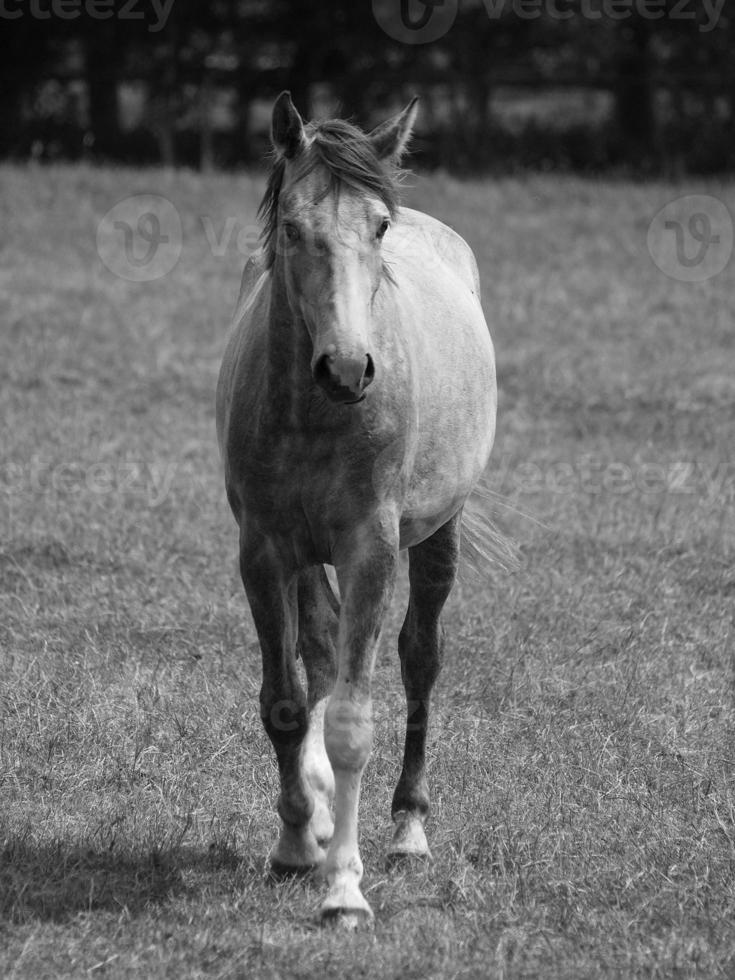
(591, 475)
(155, 12)
(424, 21)
(140, 238)
(150, 481)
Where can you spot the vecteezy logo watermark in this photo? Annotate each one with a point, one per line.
(94, 9)
(139, 239)
(423, 21)
(691, 238)
(415, 21)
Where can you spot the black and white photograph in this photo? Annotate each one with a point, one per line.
(367, 490)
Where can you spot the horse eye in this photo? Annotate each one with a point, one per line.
(382, 228)
(292, 233)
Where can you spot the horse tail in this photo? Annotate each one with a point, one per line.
(484, 548)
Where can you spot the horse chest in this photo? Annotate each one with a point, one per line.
(306, 484)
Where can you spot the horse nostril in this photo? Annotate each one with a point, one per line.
(369, 374)
(321, 372)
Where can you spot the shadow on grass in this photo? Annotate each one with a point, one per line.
(55, 882)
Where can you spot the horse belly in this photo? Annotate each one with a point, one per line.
(457, 406)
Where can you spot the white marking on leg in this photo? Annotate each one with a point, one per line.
(348, 738)
(318, 774)
(409, 838)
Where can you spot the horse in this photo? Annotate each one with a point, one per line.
(355, 410)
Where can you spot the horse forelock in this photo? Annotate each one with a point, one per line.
(347, 155)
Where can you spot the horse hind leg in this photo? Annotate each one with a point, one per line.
(432, 572)
(318, 620)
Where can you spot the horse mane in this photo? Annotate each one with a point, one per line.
(348, 156)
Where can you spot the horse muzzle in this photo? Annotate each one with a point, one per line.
(343, 377)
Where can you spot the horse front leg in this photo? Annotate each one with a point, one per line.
(316, 643)
(272, 594)
(366, 575)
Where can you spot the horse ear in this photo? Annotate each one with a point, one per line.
(390, 138)
(287, 127)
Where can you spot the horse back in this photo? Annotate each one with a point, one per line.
(450, 247)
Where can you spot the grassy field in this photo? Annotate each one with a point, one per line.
(582, 759)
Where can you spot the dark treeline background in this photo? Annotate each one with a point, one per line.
(505, 92)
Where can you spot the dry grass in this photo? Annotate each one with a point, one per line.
(582, 760)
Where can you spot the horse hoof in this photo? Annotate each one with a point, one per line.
(403, 860)
(409, 843)
(346, 908)
(347, 921)
(280, 871)
(296, 854)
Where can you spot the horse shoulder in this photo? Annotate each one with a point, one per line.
(451, 247)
